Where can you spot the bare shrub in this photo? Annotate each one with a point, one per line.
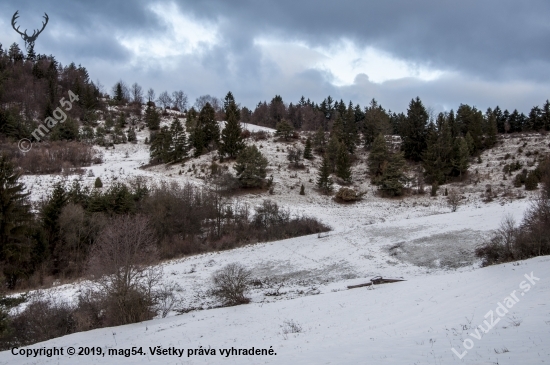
(225, 183)
(120, 263)
(259, 135)
(230, 284)
(348, 195)
(295, 155)
(50, 157)
(43, 318)
(453, 199)
(500, 245)
(167, 298)
(290, 326)
(90, 310)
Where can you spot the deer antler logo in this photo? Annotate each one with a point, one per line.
(29, 40)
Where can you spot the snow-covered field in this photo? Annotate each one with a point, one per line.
(419, 321)
(314, 318)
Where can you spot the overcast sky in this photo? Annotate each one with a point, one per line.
(480, 52)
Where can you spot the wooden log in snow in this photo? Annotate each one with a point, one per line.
(375, 281)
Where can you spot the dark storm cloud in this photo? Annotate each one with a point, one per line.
(496, 38)
(496, 49)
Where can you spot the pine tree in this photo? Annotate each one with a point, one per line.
(307, 150)
(332, 152)
(343, 164)
(132, 135)
(179, 148)
(476, 130)
(98, 184)
(546, 115)
(284, 130)
(394, 179)
(461, 156)
(471, 143)
(320, 141)
(152, 117)
(436, 159)
(302, 190)
(14, 53)
(251, 167)
(414, 130)
(191, 121)
(378, 158)
(376, 122)
(119, 92)
(207, 130)
(453, 125)
(492, 130)
(324, 181)
(15, 219)
(531, 181)
(337, 131)
(50, 213)
(231, 141)
(161, 145)
(350, 136)
(118, 135)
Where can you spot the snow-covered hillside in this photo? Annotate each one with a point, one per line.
(419, 321)
(314, 318)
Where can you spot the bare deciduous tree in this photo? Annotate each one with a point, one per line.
(214, 102)
(151, 94)
(179, 99)
(137, 93)
(121, 263)
(165, 99)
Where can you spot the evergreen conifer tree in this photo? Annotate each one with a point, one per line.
(492, 130)
(414, 130)
(179, 148)
(161, 145)
(98, 184)
(394, 179)
(546, 115)
(209, 128)
(307, 150)
(461, 154)
(132, 135)
(320, 141)
(343, 164)
(50, 213)
(437, 157)
(251, 167)
(191, 121)
(231, 140)
(378, 158)
(332, 152)
(152, 117)
(471, 143)
(15, 219)
(284, 130)
(376, 122)
(324, 181)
